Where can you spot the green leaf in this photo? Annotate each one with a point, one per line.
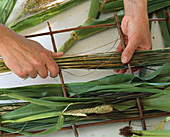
(161, 125)
(28, 110)
(33, 117)
(160, 74)
(55, 128)
(83, 33)
(94, 9)
(164, 26)
(44, 15)
(38, 101)
(153, 5)
(6, 7)
(160, 102)
(10, 130)
(113, 6)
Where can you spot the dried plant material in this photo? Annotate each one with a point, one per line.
(97, 110)
(12, 107)
(38, 5)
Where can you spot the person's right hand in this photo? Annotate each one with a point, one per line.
(26, 58)
(135, 27)
(137, 38)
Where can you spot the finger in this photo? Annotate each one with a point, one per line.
(56, 54)
(116, 70)
(32, 74)
(52, 67)
(21, 74)
(122, 71)
(129, 51)
(42, 71)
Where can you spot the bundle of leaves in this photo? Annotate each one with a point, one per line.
(109, 98)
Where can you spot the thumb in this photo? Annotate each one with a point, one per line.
(128, 51)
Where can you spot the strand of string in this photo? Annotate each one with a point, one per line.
(74, 54)
(99, 65)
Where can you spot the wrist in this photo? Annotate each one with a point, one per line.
(135, 8)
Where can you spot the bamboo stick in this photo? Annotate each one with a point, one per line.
(122, 40)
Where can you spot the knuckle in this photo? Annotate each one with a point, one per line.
(38, 63)
(44, 53)
(30, 69)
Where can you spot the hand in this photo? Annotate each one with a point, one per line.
(137, 38)
(26, 58)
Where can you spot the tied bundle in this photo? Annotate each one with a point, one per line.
(109, 60)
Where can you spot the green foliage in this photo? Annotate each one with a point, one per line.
(49, 110)
(164, 26)
(44, 15)
(6, 7)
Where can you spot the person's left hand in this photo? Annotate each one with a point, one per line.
(26, 58)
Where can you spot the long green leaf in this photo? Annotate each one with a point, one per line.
(81, 34)
(6, 7)
(94, 9)
(40, 17)
(37, 101)
(47, 131)
(164, 26)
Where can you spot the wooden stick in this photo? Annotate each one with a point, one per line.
(85, 27)
(52, 38)
(100, 123)
(141, 113)
(122, 39)
(168, 17)
(55, 50)
(71, 29)
(75, 130)
(130, 70)
(61, 76)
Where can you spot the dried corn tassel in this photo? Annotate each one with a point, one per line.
(97, 110)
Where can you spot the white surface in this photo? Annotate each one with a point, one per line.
(71, 18)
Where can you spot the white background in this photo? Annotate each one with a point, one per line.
(73, 18)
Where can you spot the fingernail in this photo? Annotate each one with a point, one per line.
(124, 59)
